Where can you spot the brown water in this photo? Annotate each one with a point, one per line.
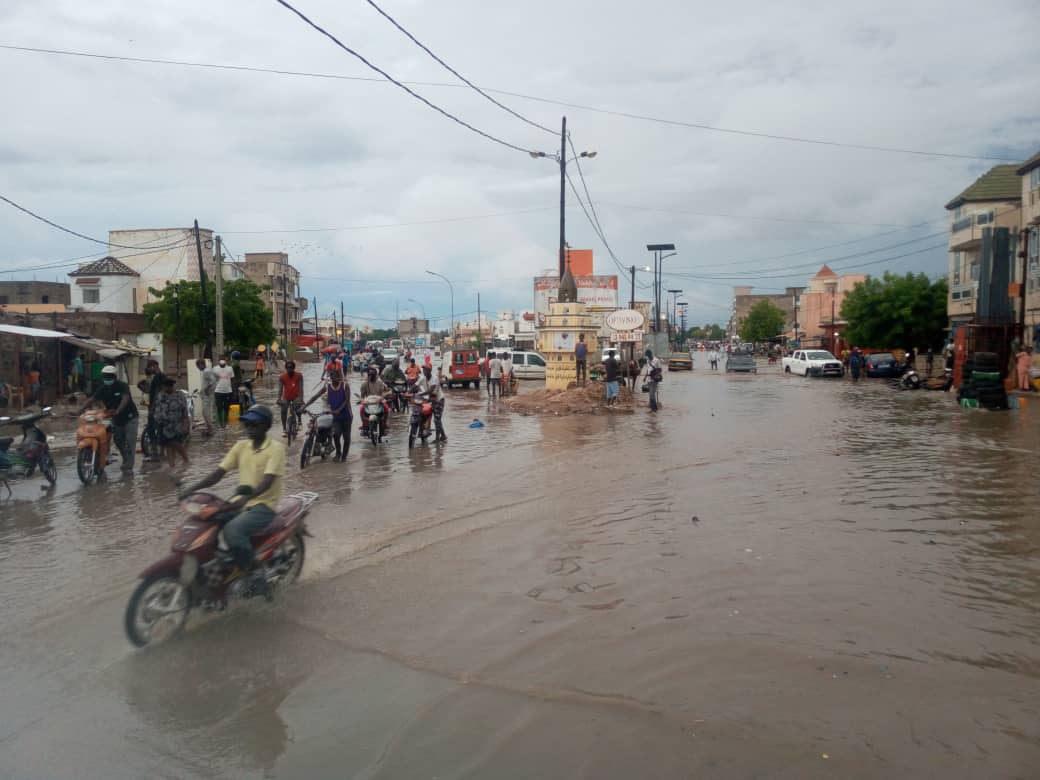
(770, 571)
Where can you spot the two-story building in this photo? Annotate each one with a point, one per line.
(993, 201)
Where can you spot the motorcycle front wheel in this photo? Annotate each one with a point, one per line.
(47, 467)
(308, 448)
(86, 464)
(157, 610)
(412, 431)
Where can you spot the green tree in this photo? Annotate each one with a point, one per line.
(896, 311)
(177, 314)
(764, 321)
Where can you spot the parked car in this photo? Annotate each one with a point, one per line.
(528, 365)
(813, 362)
(680, 361)
(390, 355)
(461, 367)
(882, 364)
(741, 362)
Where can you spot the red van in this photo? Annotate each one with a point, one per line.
(461, 367)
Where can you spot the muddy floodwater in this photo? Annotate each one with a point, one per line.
(772, 577)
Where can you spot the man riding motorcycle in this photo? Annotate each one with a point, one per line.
(427, 383)
(373, 385)
(393, 373)
(260, 461)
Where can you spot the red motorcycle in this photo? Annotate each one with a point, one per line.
(199, 570)
(422, 417)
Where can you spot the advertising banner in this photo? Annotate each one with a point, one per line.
(599, 291)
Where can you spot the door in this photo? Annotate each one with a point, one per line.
(535, 366)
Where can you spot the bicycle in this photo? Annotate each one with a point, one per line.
(292, 422)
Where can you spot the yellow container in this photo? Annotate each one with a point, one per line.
(1036, 383)
(233, 411)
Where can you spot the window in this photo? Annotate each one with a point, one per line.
(4, 300)
(91, 295)
(459, 358)
(45, 299)
(966, 293)
(1034, 249)
(974, 271)
(535, 360)
(1034, 179)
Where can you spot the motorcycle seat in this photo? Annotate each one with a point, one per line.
(6, 442)
(285, 513)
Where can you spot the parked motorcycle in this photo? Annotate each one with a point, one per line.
(32, 450)
(373, 418)
(199, 571)
(93, 443)
(422, 418)
(910, 379)
(318, 440)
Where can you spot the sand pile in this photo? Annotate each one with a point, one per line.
(591, 399)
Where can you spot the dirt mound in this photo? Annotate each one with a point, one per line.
(591, 399)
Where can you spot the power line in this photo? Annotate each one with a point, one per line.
(76, 260)
(753, 219)
(815, 264)
(595, 227)
(550, 101)
(70, 231)
(391, 224)
(718, 279)
(455, 73)
(394, 81)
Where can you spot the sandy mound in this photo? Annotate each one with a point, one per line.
(591, 399)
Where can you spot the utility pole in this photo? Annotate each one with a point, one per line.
(342, 323)
(563, 191)
(1024, 254)
(632, 301)
(218, 285)
(177, 317)
(480, 329)
(675, 296)
(208, 351)
(317, 335)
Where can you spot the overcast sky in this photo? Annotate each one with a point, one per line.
(98, 145)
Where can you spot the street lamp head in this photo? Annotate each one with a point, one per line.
(590, 155)
(646, 268)
(536, 155)
(660, 247)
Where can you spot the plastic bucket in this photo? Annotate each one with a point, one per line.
(233, 412)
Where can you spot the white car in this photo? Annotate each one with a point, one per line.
(813, 362)
(526, 365)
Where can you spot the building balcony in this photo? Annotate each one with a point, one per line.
(966, 232)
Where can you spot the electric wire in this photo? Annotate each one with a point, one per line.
(70, 231)
(455, 73)
(592, 208)
(288, 6)
(788, 270)
(390, 224)
(595, 228)
(508, 93)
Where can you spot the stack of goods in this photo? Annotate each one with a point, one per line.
(981, 384)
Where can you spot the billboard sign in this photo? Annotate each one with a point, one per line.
(599, 291)
(625, 320)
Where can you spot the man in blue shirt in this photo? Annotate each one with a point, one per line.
(581, 353)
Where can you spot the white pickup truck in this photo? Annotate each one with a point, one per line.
(813, 362)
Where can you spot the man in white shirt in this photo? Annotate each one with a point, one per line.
(427, 383)
(507, 373)
(223, 390)
(653, 377)
(496, 376)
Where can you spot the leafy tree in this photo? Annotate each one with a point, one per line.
(177, 313)
(896, 311)
(764, 321)
(710, 332)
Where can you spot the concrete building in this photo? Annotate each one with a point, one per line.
(51, 293)
(413, 327)
(994, 200)
(1029, 174)
(161, 256)
(744, 300)
(819, 308)
(273, 271)
(108, 285)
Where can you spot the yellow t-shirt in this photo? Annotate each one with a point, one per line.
(252, 464)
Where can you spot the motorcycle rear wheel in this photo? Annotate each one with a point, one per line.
(412, 431)
(296, 551)
(86, 465)
(308, 449)
(143, 613)
(47, 467)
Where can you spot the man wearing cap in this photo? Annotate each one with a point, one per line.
(116, 397)
(260, 462)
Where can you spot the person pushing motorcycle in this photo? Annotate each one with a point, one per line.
(373, 385)
(427, 384)
(260, 462)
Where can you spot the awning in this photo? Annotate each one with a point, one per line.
(106, 349)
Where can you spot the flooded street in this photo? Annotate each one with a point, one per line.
(773, 577)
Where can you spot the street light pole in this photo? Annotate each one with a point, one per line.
(421, 307)
(675, 297)
(452, 288)
(657, 249)
(563, 191)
